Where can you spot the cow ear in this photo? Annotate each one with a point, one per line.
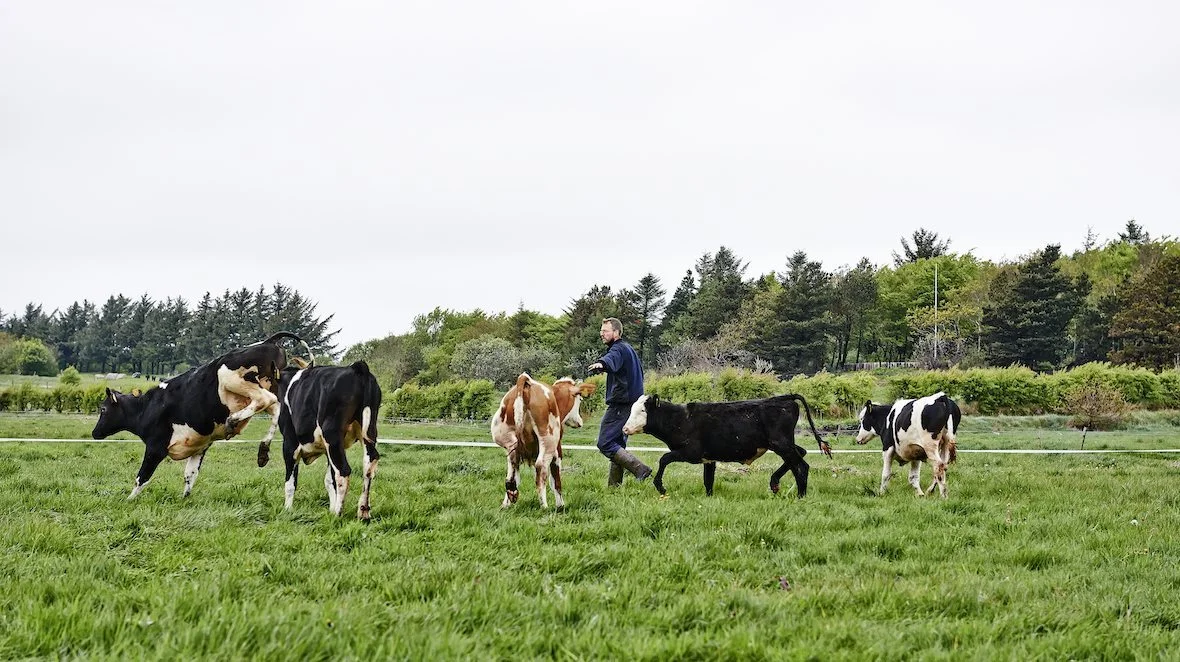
(655, 400)
(868, 406)
(113, 396)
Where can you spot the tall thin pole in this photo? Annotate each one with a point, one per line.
(935, 314)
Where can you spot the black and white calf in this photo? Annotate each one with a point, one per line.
(324, 411)
(184, 415)
(912, 431)
(712, 432)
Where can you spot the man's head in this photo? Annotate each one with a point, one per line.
(612, 330)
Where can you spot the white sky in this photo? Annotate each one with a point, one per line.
(387, 157)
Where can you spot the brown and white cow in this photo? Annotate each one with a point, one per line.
(184, 415)
(528, 425)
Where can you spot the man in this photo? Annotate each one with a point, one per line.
(624, 385)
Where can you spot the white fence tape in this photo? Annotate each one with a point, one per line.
(641, 449)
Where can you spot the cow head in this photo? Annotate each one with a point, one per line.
(112, 415)
(871, 420)
(638, 418)
(568, 395)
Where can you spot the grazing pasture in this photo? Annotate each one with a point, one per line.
(1049, 557)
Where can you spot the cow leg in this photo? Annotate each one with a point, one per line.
(153, 455)
(338, 465)
(264, 445)
(710, 474)
(233, 381)
(916, 476)
(665, 460)
(796, 465)
(542, 475)
(555, 482)
(292, 466)
(886, 468)
(371, 457)
(192, 467)
(512, 480)
(330, 487)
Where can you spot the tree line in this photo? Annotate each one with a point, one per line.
(155, 337)
(1115, 301)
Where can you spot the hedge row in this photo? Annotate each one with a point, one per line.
(1018, 390)
(28, 397)
(835, 395)
(988, 391)
(473, 400)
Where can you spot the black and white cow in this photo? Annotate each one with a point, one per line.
(184, 415)
(324, 411)
(712, 432)
(912, 431)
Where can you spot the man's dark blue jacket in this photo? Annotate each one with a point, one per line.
(624, 374)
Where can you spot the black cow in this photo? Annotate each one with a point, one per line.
(712, 432)
(324, 410)
(912, 431)
(184, 415)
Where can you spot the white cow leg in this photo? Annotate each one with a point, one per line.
(330, 486)
(542, 469)
(886, 468)
(916, 476)
(192, 467)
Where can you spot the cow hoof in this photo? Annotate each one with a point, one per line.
(663, 497)
(774, 489)
(263, 457)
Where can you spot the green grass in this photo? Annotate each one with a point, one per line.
(1031, 557)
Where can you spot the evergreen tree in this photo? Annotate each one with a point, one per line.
(671, 327)
(720, 295)
(1147, 327)
(649, 301)
(104, 338)
(797, 338)
(67, 331)
(1134, 234)
(1029, 316)
(926, 245)
(1092, 341)
(134, 349)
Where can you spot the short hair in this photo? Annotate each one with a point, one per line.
(614, 324)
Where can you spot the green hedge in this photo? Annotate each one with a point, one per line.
(1018, 390)
(474, 399)
(63, 399)
(835, 395)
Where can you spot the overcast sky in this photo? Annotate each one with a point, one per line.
(384, 158)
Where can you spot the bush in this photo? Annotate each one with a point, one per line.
(70, 376)
(1095, 405)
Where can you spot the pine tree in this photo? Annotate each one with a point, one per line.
(926, 245)
(720, 295)
(797, 338)
(1029, 316)
(1147, 327)
(649, 297)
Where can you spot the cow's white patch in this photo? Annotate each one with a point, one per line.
(163, 385)
(187, 442)
(191, 468)
(574, 417)
(289, 492)
(638, 418)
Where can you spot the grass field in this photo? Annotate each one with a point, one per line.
(1031, 557)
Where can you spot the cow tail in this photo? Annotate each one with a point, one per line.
(274, 339)
(952, 427)
(522, 387)
(823, 445)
